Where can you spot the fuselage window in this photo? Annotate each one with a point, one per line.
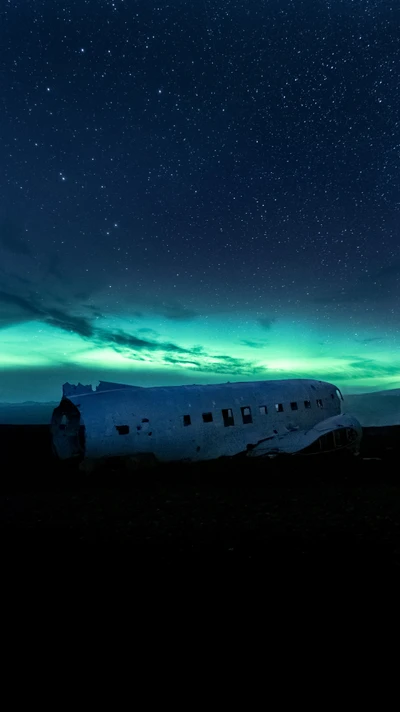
(246, 415)
(207, 417)
(307, 404)
(294, 405)
(187, 420)
(227, 415)
(319, 403)
(279, 407)
(123, 429)
(263, 410)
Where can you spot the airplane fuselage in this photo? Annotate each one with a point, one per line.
(194, 422)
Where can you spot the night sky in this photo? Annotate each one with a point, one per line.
(198, 191)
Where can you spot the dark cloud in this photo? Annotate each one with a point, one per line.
(30, 310)
(129, 344)
(54, 269)
(369, 341)
(177, 355)
(78, 324)
(176, 312)
(13, 309)
(95, 313)
(7, 320)
(20, 302)
(121, 338)
(223, 363)
(253, 344)
(183, 362)
(266, 322)
(370, 367)
(10, 277)
(11, 238)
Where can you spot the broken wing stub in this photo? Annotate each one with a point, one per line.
(341, 432)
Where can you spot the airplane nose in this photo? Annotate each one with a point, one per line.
(354, 434)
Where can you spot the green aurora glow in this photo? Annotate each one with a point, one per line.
(212, 349)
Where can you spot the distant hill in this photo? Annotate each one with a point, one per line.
(391, 392)
(28, 413)
(374, 409)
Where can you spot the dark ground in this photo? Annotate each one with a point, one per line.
(333, 513)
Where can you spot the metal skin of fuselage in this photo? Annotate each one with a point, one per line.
(193, 423)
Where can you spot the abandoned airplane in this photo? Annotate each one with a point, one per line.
(192, 423)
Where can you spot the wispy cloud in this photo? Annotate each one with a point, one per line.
(369, 340)
(54, 268)
(129, 341)
(253, 344)
(368, 366)
(130, 345)
(175, 311)
(11, 238)
(30, 309)
(267, 322)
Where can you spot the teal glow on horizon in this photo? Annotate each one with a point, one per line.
(154, 351)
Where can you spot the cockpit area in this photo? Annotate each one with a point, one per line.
(332, 441)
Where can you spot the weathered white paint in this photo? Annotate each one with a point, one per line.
(93, 424)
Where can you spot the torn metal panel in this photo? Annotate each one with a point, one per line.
(108, 386)
(196, 422)
(72, 390)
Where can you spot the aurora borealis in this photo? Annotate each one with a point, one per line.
(199, 192)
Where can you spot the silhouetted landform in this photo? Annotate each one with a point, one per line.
(375, 409)
(332, 512)
(28, 413)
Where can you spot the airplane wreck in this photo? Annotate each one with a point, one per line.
(201, 422)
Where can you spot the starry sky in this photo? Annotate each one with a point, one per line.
(196, 191)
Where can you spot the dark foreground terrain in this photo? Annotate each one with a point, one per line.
(338, 513)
